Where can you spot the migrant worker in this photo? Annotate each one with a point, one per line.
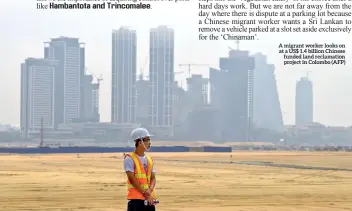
(140, 173)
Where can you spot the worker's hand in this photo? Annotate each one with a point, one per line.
(148, 193)
(150, 200)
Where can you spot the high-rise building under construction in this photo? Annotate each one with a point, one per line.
(266, 104)
(197, 89)
(232, 95)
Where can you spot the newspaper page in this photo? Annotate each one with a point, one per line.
(175, 105)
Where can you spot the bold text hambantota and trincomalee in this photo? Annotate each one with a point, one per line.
(109, 5)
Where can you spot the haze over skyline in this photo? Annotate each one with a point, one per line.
(25, 29)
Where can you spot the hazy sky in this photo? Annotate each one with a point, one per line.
(24, 29)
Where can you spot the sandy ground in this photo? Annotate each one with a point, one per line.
(97, 182)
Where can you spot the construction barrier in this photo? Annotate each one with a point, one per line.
(210, 149)
(217, 149)
(196, 149)
(169, 149)
(93, 149)
(56, 150)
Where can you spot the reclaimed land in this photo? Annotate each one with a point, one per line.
(186, 181)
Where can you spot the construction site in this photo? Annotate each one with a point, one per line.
(219, 143)
(185, 181)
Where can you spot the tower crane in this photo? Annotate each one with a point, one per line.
(141, 76)
(238, 46)
(100, 78)
(189, 67)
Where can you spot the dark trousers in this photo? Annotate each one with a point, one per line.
(138, 205)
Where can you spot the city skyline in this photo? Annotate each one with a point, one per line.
(22, 36)
(55, 89)
(134, 71)
(67, 87)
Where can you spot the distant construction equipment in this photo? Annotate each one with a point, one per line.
(189, 67)
(237, 44)
(100, 78)
(142, 76)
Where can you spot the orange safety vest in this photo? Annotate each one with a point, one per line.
(141, 176)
